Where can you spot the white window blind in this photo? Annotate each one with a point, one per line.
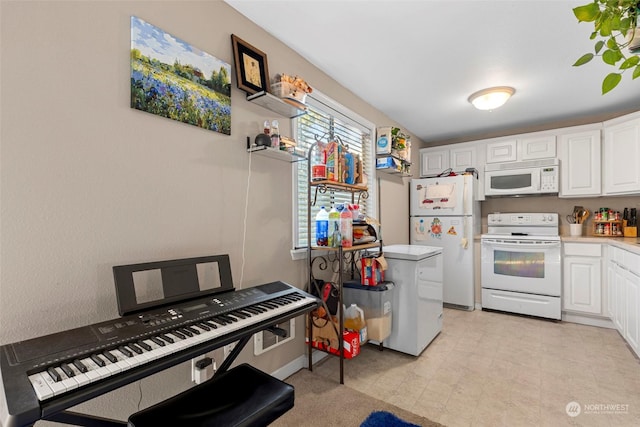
(324, 121)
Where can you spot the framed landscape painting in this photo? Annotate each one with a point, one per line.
(173, 79)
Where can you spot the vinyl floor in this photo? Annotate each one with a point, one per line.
(496, 369)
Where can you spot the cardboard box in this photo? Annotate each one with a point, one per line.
(325, 338)
(387, 163)
(333, 161)
(383, 140)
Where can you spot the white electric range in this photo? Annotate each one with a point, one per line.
(521, 264)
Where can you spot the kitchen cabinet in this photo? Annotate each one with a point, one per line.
(457, 157)
(580, 168)
(632, 315)
(582, 278)
(537, 147)
(502, 151)
(625, 273)
(529, 147)
(621, 156)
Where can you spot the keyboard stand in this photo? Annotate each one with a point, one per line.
(85, 420)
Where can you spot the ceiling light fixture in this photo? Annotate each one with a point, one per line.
(491, 98)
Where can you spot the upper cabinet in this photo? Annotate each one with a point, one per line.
(579, 154)
(434, 161)
(525, 148)
(599, 159)
(537, 147)
(502, 151)
(621, 156)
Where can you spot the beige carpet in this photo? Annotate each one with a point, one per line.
(322, 402)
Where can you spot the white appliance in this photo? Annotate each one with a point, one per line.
(445, 213)
(416, 310)
(522, 178)
(521, 266)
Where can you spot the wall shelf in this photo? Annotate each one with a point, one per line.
(405, 166)
(275, 104)
(263, 150)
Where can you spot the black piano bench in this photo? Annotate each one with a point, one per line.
(242, 396)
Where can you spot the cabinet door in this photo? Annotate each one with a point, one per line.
(632, 330)
(433, 162)
(580, 164)
(463, 158)
(541, 147)
(621, 163)
(620, 306)
(582, 287)
(611, 291)
(502, 151)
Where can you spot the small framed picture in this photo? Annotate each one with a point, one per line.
(252, 72)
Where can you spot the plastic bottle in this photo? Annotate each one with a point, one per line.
(346, 227)
(354, 320)
(275, 135)
(334, 238)
(355, 211)
(322, 227)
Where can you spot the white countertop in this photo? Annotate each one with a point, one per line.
(631, 244)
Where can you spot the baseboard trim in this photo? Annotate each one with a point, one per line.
(600, 322)
(301, 362)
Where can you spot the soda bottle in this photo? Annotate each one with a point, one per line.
(346, 227)
(322, 227)
(334, 238)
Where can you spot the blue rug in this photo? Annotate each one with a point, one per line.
(385, 419)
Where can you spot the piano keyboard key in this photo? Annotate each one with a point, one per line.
(57, 380)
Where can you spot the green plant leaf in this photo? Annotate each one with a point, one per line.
(599, 45)
(584, 59)
(605, 28)
(587, 13)
(612, 44)
(636, 72)
(610, 82)
(610, 57)
(630, 62)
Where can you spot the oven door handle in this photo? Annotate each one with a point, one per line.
(522, 243)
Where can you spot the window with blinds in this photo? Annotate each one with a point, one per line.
(325, 120)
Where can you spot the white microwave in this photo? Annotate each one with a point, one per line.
(533, 177)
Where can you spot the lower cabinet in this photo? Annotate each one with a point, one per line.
(624, 272)
(582, 278)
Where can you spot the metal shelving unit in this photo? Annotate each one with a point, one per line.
(343, 255)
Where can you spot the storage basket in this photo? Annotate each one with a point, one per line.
(288, 90)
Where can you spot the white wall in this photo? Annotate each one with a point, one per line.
(88, 183)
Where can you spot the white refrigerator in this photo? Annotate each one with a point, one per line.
(445, 213)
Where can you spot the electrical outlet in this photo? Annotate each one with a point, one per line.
(228, 349)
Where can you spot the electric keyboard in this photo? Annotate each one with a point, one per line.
(43, 376)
